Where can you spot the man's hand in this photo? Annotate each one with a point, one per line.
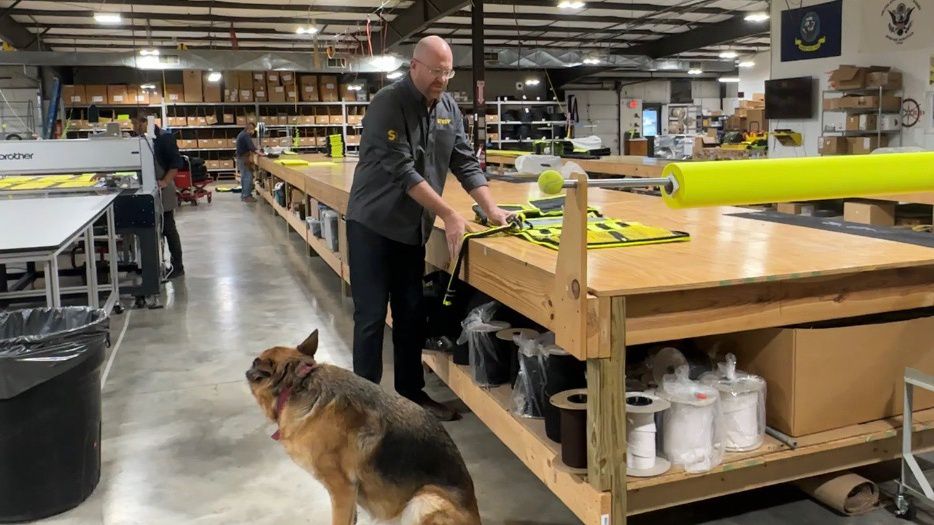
(498, 216)
(163, 184)
(454, 228)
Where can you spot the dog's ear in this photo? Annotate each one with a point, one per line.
(310, 345)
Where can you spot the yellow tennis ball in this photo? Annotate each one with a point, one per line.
(550, 182)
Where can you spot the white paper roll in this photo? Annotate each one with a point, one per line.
(640, 449)
(741, 421)
(688, 438)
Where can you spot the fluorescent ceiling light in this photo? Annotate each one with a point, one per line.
(532, 82)
(355, 87)
(729, 80)
(108, 18)
(746, 63)
(149, 62)
(591, 61)
(148, 87)
(758, 16)
(570, 4)
(668, 66)
(728, 54)
(214, 76)
(310, 30)
(394, 75)
(695, 71)
(385, 63)
(148, 52)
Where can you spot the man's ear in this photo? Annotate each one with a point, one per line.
(310, 345)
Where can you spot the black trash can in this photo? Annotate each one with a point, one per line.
(50, 409)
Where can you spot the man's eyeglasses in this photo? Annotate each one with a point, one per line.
(437, 72)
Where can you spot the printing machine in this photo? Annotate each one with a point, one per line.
(59, 168)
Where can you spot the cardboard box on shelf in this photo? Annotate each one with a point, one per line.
(887, 102)
(187, 143)
(336, 119)
(852, 122)
(277, 94)
(174, 93)
(155, 95)
(212, 90)
(741, 112)
(307, 119)
(286, 77)
(327, 88)
(259, 78)
(864, 145)
(211, 119)
(889, 122)
(830, 104)
(116, 94)
(228, 118)
(244, 80)
(735, 122)
(291, 92)
(866, 122)
(309, 88)
(847, 77)
(293, 120)
(138, 96)
(355, 119)
(322, 119)
(260, 95)
(74, 95)
(178, 121)
(246, 95)
(759, 97)
(193, 85)
(863, 211)
(833, 146)
(272, 77)
(835, 374)
(241, 120)
(884, 79)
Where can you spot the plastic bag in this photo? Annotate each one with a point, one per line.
(39, 344)
(692, 431)
(528, 394)
(490, 367)
(742, 402)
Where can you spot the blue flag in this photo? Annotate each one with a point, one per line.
(812, 32)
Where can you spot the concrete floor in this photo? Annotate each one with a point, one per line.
(184, 441)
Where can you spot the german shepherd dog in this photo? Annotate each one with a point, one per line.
(368, 447)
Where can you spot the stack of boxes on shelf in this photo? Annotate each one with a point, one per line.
(749, 116)
(860, 110)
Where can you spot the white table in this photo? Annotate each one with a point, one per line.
(40, 229)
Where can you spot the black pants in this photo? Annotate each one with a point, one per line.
(170, 232)
(384, 271)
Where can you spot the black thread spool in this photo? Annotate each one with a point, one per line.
(507, 346)
(573, 407)
(562, 372)
(489, 367)
(462, 354)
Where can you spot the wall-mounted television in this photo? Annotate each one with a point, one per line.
(789, 98)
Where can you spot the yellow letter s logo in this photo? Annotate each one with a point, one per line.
(391, 135)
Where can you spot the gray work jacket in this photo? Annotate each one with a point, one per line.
(403, 143)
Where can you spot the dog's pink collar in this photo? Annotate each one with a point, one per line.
(303, 370)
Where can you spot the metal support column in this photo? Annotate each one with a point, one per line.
(479, 74)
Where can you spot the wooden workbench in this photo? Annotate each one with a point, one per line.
(616, 165)
(734, 275)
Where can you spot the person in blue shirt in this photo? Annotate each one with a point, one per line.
(245, 147)
(168, 161)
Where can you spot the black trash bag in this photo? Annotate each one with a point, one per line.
(39, 344)
(50, 409)
(199, 170)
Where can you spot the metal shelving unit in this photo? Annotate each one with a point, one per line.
(877, 110)
(500, 104)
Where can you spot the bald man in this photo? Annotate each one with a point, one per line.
(413, 134)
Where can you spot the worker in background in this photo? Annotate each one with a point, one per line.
(245, 150)
(413, 134)
(168, 161)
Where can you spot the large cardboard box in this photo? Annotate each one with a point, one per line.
(327, 88)
(833, 146)
(864, 145)
(889, 122)
(277, 94)
(231, 86)
(245, 80)
(259, 79)
(74, 95)
(322, 119)
(272, 77)
(756, 121)
(309, 88)
(138, 95)
(116, 94)
(212, 90)
(193, 86)
(867, 122)
(246, 95)
(291, 92)
(848, 77)
(260, 94)
(286, 77)
(835, 374)
(884, 79)
(879, 213)
(888, 102)
(852, 122)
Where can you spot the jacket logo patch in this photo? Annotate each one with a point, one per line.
(443, 121)
(391, 134)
